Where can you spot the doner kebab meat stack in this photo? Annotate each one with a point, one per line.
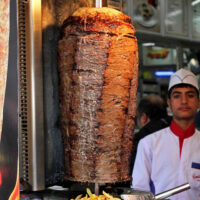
(98, 70)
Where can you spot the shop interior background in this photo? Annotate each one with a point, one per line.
(168, 34)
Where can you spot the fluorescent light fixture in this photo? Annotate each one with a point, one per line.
(175, 13)
(195, 2)
(148, 44)
(163, 73)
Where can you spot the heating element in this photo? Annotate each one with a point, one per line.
(31, 130)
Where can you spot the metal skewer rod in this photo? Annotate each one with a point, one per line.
(98, 3)
(96, 188)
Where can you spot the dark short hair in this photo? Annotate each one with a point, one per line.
(181, 85)
(153, 106)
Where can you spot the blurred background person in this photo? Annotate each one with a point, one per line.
(151, 116)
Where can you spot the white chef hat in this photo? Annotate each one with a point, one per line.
(183, 76)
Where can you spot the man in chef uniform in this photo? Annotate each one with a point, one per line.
(170, 157)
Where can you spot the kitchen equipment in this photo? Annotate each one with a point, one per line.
(132, 194)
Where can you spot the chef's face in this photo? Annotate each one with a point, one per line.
(184, 103)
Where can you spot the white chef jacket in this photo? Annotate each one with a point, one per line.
(158, 160)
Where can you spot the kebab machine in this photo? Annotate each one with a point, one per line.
(98, 78)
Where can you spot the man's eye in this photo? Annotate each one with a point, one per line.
(191, 95)
(176, 96)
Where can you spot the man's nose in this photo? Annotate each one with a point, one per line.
(184, 99)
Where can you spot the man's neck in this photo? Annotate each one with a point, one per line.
(184, 123)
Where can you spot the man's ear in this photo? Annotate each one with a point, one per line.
(144, 119)
(168, 102)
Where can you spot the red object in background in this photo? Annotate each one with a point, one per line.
(157, 53)
(150, 2)
(0, 178)
(153, 3)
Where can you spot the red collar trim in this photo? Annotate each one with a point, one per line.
(180, 132)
